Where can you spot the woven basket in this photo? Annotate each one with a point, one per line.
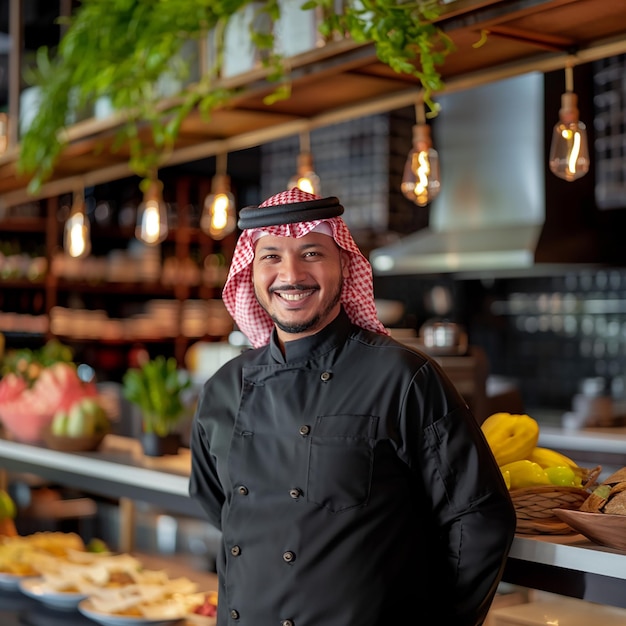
(534, 506)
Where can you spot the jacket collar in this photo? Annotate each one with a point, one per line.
(329, 337)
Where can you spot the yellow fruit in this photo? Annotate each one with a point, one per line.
(550, 458)
(7, 506)
(511, 437)
(525, 473)
(507, 478)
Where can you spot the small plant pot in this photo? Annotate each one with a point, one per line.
(155, 445)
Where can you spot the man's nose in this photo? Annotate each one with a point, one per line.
(292, 270)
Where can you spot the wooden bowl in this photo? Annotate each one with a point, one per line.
(606, 530)
(73, 444)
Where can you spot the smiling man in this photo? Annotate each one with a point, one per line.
(298, 282)
(341, 466)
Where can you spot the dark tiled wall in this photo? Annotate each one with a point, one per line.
(545, 333)
(551, 333)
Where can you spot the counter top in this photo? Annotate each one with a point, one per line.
(571, 552)
(589, 447)
(610, 440)
(570, 565)
(117, 469)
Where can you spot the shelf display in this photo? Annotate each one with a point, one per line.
(125, 292)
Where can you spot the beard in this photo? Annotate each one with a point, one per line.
(294, 328)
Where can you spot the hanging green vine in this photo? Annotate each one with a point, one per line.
(119, 49)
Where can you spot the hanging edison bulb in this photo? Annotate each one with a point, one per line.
(420, 180)
(152, 225)
(305, 177)
(569, 149)
(77, 232)
(219, 216)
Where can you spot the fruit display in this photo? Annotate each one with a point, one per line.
(27, 363)
(540, 480)
(85, 418)
(513, 441)
(27, 407)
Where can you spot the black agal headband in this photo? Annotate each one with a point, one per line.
(277, 214)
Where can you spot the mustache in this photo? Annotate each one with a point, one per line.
(292, 288)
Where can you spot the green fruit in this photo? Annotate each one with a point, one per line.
(80, 423)
(100, 418)
(97, 546)
(59, 423)
(90, 405)
(561, 476)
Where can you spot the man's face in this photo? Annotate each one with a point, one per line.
(298, 282)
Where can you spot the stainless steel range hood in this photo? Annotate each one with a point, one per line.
(491, 211)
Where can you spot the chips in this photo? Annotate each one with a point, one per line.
(24, 555)
(608, 497)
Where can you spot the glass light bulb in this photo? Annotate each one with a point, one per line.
(420, 181)
(77, 232)
(305, 177)
(219, 217)
(305, 181)
(152, 225)
(569, 150)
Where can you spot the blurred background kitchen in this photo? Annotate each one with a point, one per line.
(514, 279)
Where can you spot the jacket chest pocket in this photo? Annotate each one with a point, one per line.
(341, 460)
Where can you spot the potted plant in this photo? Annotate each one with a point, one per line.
(157, 388)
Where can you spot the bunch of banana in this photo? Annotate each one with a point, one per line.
(513, 441)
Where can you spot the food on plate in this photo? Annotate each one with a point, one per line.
(27, 555)
(208, 608)
(87, 572)
(118, 584)
(609, 496)
(167, 599)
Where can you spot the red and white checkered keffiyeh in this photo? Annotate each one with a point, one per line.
(357, 296)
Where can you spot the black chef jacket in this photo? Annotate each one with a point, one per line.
(352, 486)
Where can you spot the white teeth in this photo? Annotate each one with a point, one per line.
(294, 296)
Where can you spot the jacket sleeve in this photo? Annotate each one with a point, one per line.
(472, 513)
(204, 483)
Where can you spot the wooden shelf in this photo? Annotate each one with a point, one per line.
(22, 225)
(343, 80)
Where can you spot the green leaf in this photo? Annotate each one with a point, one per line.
(120, 48)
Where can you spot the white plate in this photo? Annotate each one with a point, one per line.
(201, 620)
(10, 582)
(39, 590)
(108, 619)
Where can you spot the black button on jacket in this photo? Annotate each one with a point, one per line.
(402, 516)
